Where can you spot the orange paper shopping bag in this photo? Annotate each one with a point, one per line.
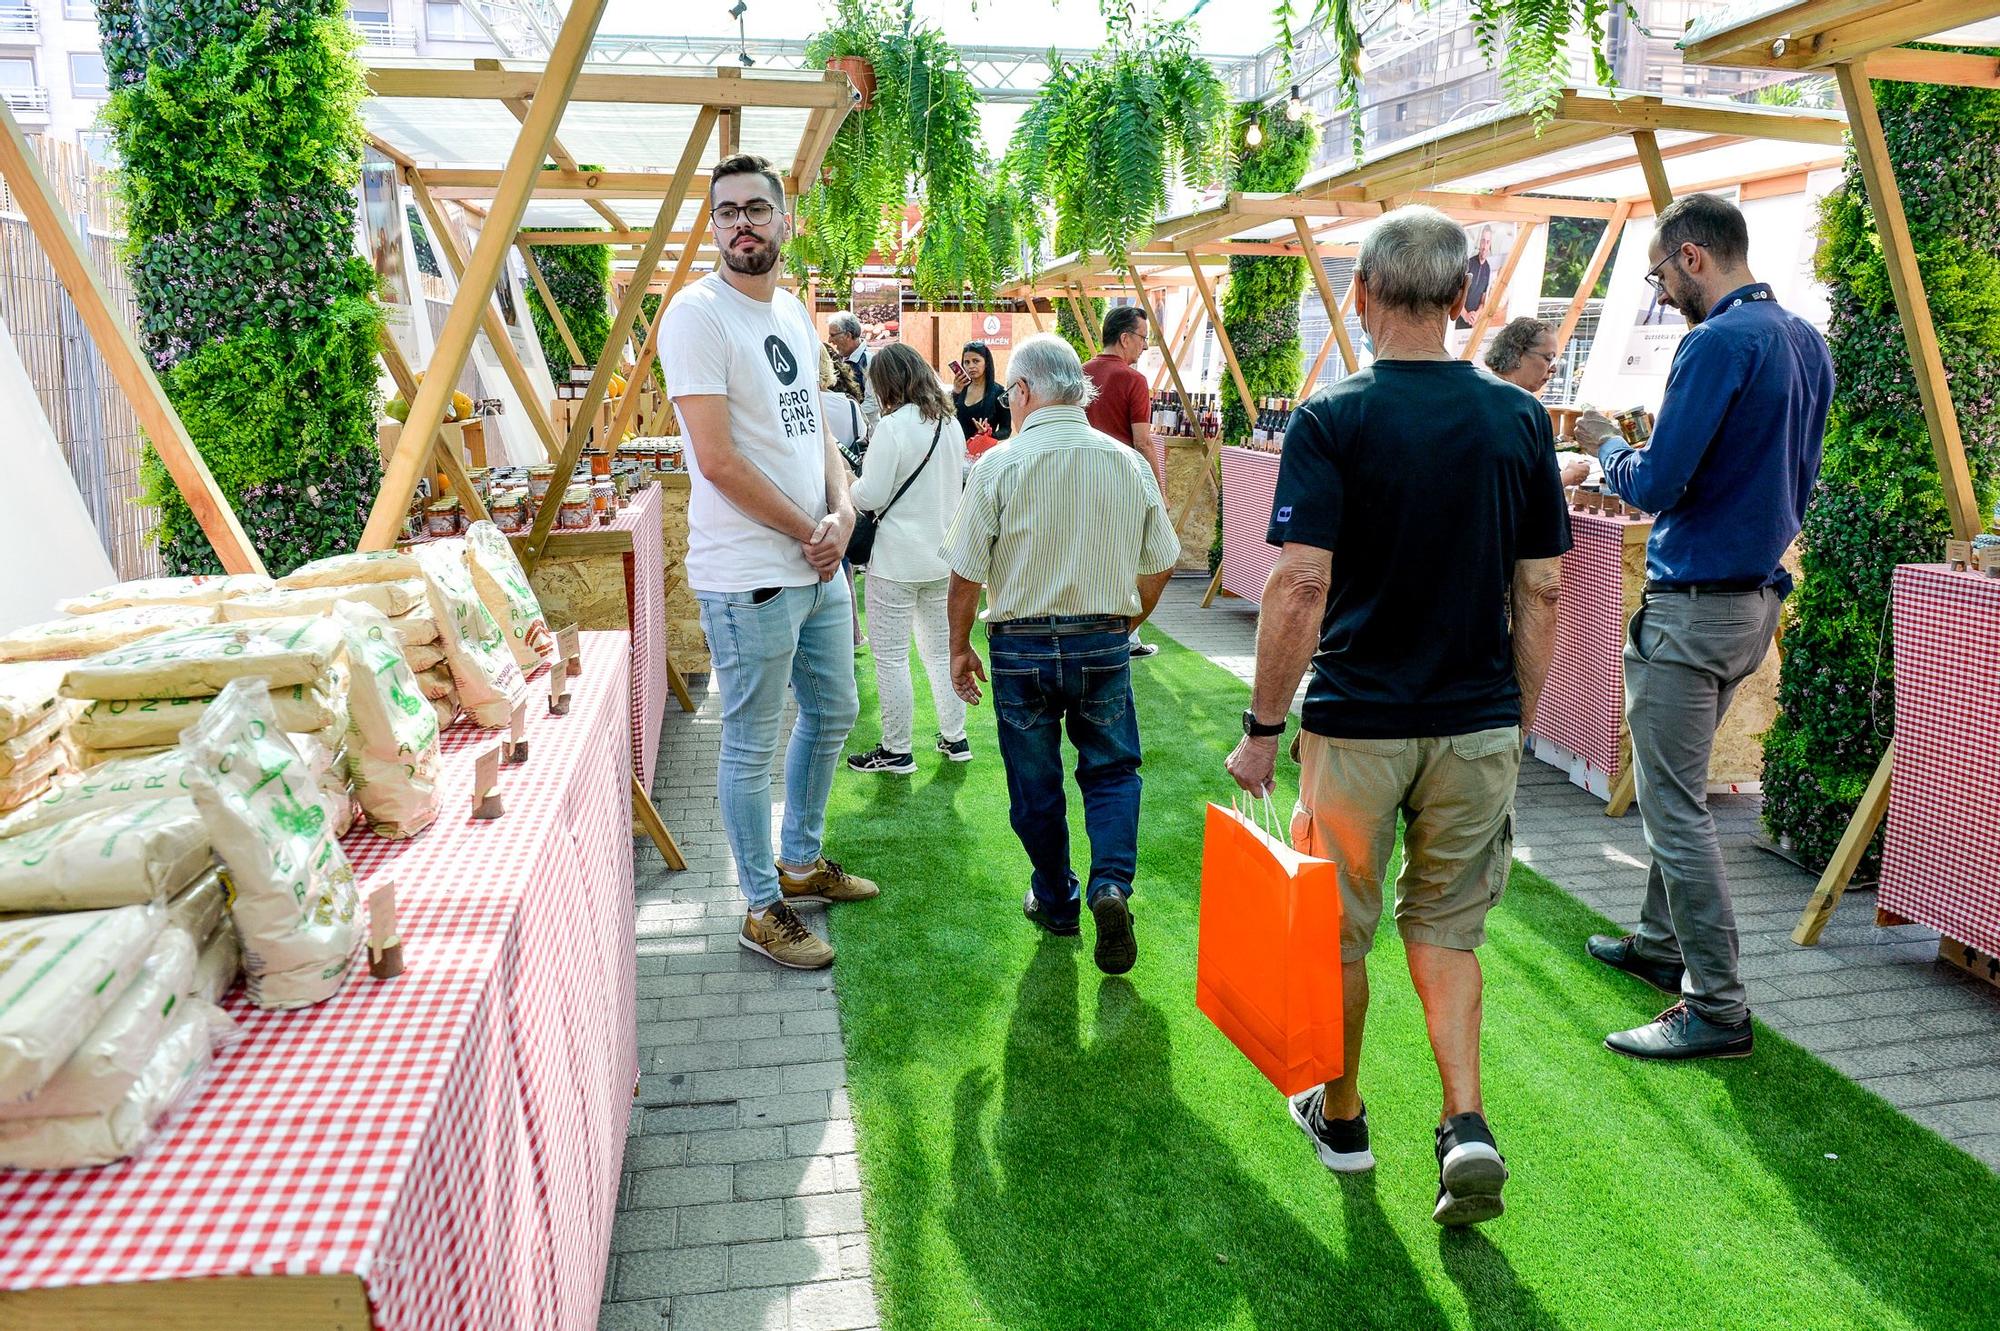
(1268, 974)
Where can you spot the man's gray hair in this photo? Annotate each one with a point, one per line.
(1514, 341)
(1414, 260)
(844, 322)
(1053, 372)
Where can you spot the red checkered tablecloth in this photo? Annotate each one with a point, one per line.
(1583, 702)
(1249, 489)
(1156, 451)
(646, 594)
(453, 1137)
(1941, 859)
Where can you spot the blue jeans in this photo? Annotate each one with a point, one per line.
(801, 636)
(1042, 682)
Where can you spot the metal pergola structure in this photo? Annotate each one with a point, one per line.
(1860, 41)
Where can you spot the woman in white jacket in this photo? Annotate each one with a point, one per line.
(918, 444)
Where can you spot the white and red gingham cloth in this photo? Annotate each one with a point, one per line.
(1583, 702)
(646, 595)
(1941, 859)
(453, 1137)
(1249, 489)
(1156, 453)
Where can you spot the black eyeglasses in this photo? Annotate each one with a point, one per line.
(756, 213)
(1653, 279)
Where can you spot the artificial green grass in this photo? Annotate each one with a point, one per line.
(1045, 1148)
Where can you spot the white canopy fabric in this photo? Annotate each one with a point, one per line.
(50, 532)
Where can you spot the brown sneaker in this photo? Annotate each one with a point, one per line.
(823, 884)
(783, 937)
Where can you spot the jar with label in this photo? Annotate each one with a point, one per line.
(604, 500)
(575, 513)
(510, 513)
(443, 518)
(539, 480)
(600, 464)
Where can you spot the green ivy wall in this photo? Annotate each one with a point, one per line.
(1880, 503)
(1260, 309)
(239, 123)
(579, 277)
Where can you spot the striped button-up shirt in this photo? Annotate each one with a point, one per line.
(1061, 520)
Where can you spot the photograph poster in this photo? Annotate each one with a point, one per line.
(878, 304)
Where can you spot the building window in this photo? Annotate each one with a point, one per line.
(100, 146)
(448, 21)
(83, 9)
(17, 72)
(86, 74)
(365, 17)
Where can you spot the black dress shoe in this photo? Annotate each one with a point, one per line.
(1679, 1033)
(1117, 949)
(1617, 953)
(1031, 906)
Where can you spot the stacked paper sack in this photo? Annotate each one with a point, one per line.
(35, 751)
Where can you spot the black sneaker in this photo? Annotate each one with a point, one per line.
(1141, 650)
(958, 750)
(879, 759)
(1618, 954)
(1117, 949)
(1680, 1033)
(1470, 1172)
(1342, 1143)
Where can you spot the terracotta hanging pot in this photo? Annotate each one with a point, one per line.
(861, 73)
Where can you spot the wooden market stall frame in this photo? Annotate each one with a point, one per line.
(1330, 202)
(538, 99)
(1861, 41)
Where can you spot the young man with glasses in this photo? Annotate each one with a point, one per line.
(768, 522)
(1729, 468)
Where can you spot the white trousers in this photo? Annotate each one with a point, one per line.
(894, 608)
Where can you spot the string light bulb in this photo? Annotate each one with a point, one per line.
(1253, 135)
(1295, 107)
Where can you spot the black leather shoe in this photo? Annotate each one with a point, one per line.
(1681, 1032)
(1617, 953)
(1031, 907)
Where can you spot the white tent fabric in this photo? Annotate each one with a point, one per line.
(50, 547)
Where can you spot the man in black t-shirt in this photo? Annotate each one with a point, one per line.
(1414, 499)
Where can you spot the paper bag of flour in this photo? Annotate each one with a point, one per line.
(268, 820)
(32, 744)
(145, 723)
(392, 749)
(391, 598)
(197, 662)
(419, 628)
(200, 909)
(173, 1073)
(113, 1055)
(59, 974)
(503, 588)
(345, 570)
(121, 857)
(202, 589)
(86, 635)
(475, 647)
(29, 691)
(215, 972)
(124, 781)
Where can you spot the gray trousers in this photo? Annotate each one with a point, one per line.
(1685, 654)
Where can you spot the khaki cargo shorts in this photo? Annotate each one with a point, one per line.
(1456, 796)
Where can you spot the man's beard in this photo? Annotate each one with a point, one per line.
(1692, 307)
(752, 262)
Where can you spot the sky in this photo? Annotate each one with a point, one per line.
(1229, 27)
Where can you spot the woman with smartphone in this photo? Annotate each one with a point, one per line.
(978, 397)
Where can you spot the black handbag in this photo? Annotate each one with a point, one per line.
(861, 545)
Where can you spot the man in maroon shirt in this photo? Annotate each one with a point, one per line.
(1123, 406)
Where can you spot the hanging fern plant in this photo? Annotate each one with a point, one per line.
(1528, 41)
(1105, 139)
(919, 139)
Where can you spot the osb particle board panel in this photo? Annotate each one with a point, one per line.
(1191, 498)
(686, 643)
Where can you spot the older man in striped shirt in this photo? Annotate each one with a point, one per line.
(1066, 529)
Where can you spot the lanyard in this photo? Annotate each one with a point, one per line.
(1756, 291)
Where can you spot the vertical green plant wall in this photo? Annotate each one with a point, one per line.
(579, 277)
(1880, 502)
(239, 125)
(1260, 310)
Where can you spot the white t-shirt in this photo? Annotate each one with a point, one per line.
(765, 359)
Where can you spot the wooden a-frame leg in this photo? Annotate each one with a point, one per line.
(1847, 855)
(649, 820)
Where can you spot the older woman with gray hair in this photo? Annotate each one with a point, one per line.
(1413, 498)
(1524, 353)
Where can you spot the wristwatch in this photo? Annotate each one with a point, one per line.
(1256, 729)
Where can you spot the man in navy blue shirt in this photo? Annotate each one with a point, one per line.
(1729, 469)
